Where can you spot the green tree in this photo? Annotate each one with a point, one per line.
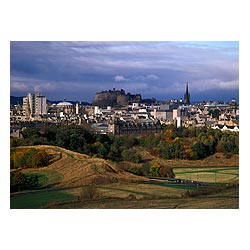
(199, 150)
(32, 181)
(31, 133)
(210, 146)
(137, 158)
(229, 143)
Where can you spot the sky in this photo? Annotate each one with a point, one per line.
(77, 70)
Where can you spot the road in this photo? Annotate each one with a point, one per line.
(190, 183)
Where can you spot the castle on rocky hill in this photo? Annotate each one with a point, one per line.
(114, 98)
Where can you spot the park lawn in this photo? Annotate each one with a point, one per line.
(206, 174)
(37, 200)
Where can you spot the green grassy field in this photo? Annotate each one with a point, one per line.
(36, 200)
(45, 177)
(209, 174)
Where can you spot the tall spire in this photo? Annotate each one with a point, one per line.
(187, 96)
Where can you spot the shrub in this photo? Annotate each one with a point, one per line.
(20, 181)
(88, 192)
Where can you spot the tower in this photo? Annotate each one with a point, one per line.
(77, 108)
(186, 96)
(27, 110)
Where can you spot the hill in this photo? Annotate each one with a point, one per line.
(15, 100)
(70, 179)
(80, 169)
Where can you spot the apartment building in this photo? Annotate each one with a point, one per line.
(34, 104)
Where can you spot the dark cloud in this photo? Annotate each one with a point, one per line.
(76, 70)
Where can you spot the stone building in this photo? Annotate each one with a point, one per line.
(129, 128)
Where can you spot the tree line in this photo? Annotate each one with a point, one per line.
(190, 143)
(28, 158)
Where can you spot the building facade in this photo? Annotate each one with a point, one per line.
(34, 104)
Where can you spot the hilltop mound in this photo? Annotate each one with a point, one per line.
(80, 169)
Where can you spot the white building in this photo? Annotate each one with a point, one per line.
(36, 104)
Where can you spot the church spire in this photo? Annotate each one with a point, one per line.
(187, 96)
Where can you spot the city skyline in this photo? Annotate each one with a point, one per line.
(77, 70)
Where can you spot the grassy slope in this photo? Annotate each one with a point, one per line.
(79, 169)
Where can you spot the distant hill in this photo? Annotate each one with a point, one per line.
(15, 100)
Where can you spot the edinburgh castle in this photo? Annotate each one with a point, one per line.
(115, 98)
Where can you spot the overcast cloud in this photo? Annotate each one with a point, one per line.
(77, 70)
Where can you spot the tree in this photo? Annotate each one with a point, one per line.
(229, 143)
(32, 181)
(199, 150)
(155, 170)
(19, 180)
(31, 133)
(40, 159)
(166, 152)
(166, 172)
(137, 158)
(19, 159)
(75, 142)
(210, 146)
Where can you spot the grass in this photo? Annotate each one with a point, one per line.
(140, 190)
(45, 176)
(209, 174)
(74, 169)
(226, 199)
(37, 200)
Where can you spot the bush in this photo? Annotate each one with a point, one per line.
(167, 172)
(130, 155)
(134, 170)
(20, 181)
(88, 192)
(161, 171)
